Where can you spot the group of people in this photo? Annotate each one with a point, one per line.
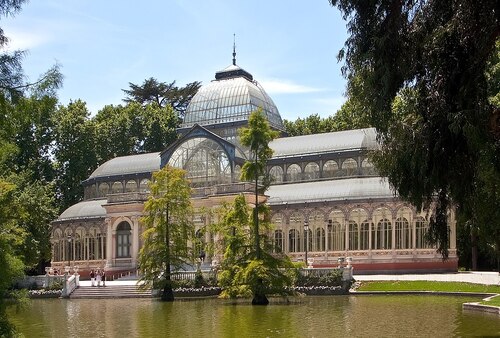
(97, 277)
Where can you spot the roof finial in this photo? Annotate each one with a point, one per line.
(234, 49)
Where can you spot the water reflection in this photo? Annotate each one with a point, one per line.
(360, 316)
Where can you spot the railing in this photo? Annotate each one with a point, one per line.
(72, 282)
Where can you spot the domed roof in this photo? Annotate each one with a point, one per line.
(132, 164)
(231, 97)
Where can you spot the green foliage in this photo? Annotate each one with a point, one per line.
(317, 278)
(162, 94)
(168, 227)
(349, 116)
(424, 72)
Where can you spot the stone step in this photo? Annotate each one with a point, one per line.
(115, 291)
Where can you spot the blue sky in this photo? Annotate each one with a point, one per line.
(290, 47)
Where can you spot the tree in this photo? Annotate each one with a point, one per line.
(240, 274)
(75, 151)
(419, 68)
(162, 94)
(168, 228)
(257, 137)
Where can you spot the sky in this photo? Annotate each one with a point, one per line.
(290, 47)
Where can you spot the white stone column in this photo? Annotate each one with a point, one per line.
(135, 239)
(110, 236)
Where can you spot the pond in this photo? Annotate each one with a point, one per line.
(313, 316)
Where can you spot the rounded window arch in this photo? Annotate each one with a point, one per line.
(144, 185)
(103, 189)
(123, 240)
(421, 226)
(359, 230)
(204, 160)
(367, 167)
(117, 187)
(131, 186)
(278, 240)
(293, 173)
(330, 168)
(311, 171)
(336, 231)
(276, 174)
(349, 167)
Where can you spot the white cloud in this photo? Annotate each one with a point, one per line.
(276, 86)
(25, 40)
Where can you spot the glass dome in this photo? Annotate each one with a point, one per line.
(205, 161)
(230, 98)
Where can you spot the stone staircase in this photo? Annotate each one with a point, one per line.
(110, 291)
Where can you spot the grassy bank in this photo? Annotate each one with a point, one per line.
(428, 286)
(495, 301)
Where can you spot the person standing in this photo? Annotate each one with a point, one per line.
(98, 278)
(92, 278)
(103, 278)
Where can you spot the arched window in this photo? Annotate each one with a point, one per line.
(278, 241)
(330, 168)
(80, 245)
(293, 173)
(403, 234)
(421, 229)
(131, 186)
(103, 189)
(204, 160)
(123, 240)
(311, 171)
(57, 245)
(364, 236)
(237, 173)
(320, 239)
(117, 188)
(353, 236)
(199, 243)
(144, 185)
(296, 224)
(367, 167)
(308, 240)
(316, 223)
(350, 167)
(383, 236)
(336, 231)
(276, 174)
(293, 241)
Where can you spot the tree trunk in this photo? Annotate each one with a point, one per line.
(473, 241)
(260, 298)
(168, 293)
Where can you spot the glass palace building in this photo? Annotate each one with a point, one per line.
(324, 181)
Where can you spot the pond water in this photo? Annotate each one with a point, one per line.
(314, 316)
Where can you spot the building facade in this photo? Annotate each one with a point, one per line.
(327, 199)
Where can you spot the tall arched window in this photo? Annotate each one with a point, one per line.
(278, 241)
(311, 171)
(330, 168)
(320, 239)
(123, 240)
(57, 241)
(308, 240)
(336, 231)
(383, 238)
(296, 224)
(421, 230)
(353, 236)
(293, 240)
(276, 174)
(278, 222)
(293, 173)
(364, 236)
(403, 234)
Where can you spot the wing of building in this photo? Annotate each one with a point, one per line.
(327, 199)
